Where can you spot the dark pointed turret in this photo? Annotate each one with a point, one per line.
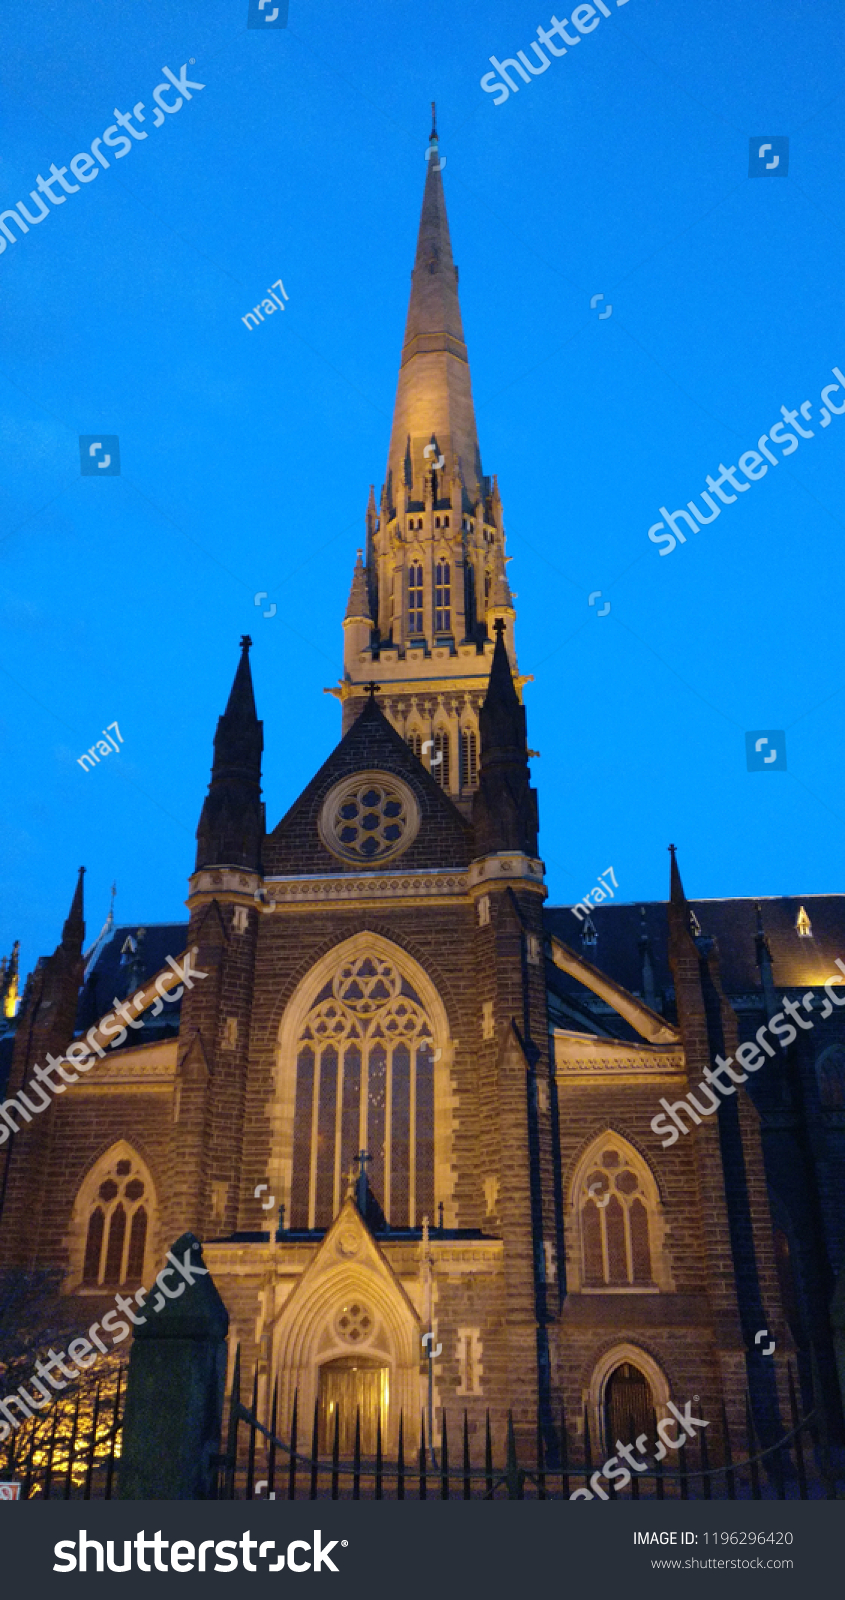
(504, 809)
(73, 932)
(680, 933)
(231, 826)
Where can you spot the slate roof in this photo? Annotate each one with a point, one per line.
(797, 962)
(113, 977)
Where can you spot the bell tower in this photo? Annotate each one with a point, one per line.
(431, 579)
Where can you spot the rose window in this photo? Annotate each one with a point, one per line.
(370, 817)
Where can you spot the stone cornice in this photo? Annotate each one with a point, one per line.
(319, 888)
(583, 1057)
(233, 883)
(151, 1067)
(507, 866)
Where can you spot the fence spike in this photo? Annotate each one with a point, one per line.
(356, 1457)
(400, 1458)
(706, 1481)
(635, 1481)
(117, 1423)
(730, 1478)
(467, 1463)
(799, 1443)
(422, 1457)
(48, 1470)
(564, 1455)
(336, 1454)
(751, 1448)
(315, 1441)
(488, 1457)
(515, 1477)
(378, 1455)
(250, 1463)
(232, 1436)
(541, 1461)
(71, 1450)
(444, 1458)
(821, 1425)
(92, 1445)
(659, 1487)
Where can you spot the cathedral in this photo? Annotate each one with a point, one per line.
(402, 1096)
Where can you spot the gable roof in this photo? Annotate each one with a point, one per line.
(444, 839)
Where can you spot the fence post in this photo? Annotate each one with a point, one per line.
(174, 1392)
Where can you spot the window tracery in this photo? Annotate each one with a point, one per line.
(364, 1082)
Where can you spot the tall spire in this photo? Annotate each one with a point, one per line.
(434, 563)
(231, 826)
(434, 396)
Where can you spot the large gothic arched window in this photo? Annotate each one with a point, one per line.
(114, 1213)
(615, 1199)
(364, 1081)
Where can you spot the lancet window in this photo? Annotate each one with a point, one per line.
(615, 1201)
(116, 1225)
(415, 598)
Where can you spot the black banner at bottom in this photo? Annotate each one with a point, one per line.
(431, 1549)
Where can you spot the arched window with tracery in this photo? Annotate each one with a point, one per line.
(116, 1213)
(364, 1082)
(616, 1200)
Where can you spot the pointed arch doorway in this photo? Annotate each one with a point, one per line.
(628, 1404)
(350, 1389)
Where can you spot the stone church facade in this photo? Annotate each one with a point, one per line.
(446, 1086)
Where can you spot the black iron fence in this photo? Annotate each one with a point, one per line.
(257, 1463)
(72, 1451)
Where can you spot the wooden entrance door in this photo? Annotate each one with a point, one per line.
(350, 1387)
(628, 1406)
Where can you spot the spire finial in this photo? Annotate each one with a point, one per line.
(245, 641)
(372, 689)
(499, 626)
(433, 134)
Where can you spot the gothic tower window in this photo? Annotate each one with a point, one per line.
(441, 769)
(616, 1200)
(415, 598)
(415, 744)
(364, 1081)
(469, 758)
(443, 597)
(114, 1212)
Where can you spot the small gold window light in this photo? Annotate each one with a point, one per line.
(803, 925)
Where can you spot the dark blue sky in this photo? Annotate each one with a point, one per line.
(246, 455)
